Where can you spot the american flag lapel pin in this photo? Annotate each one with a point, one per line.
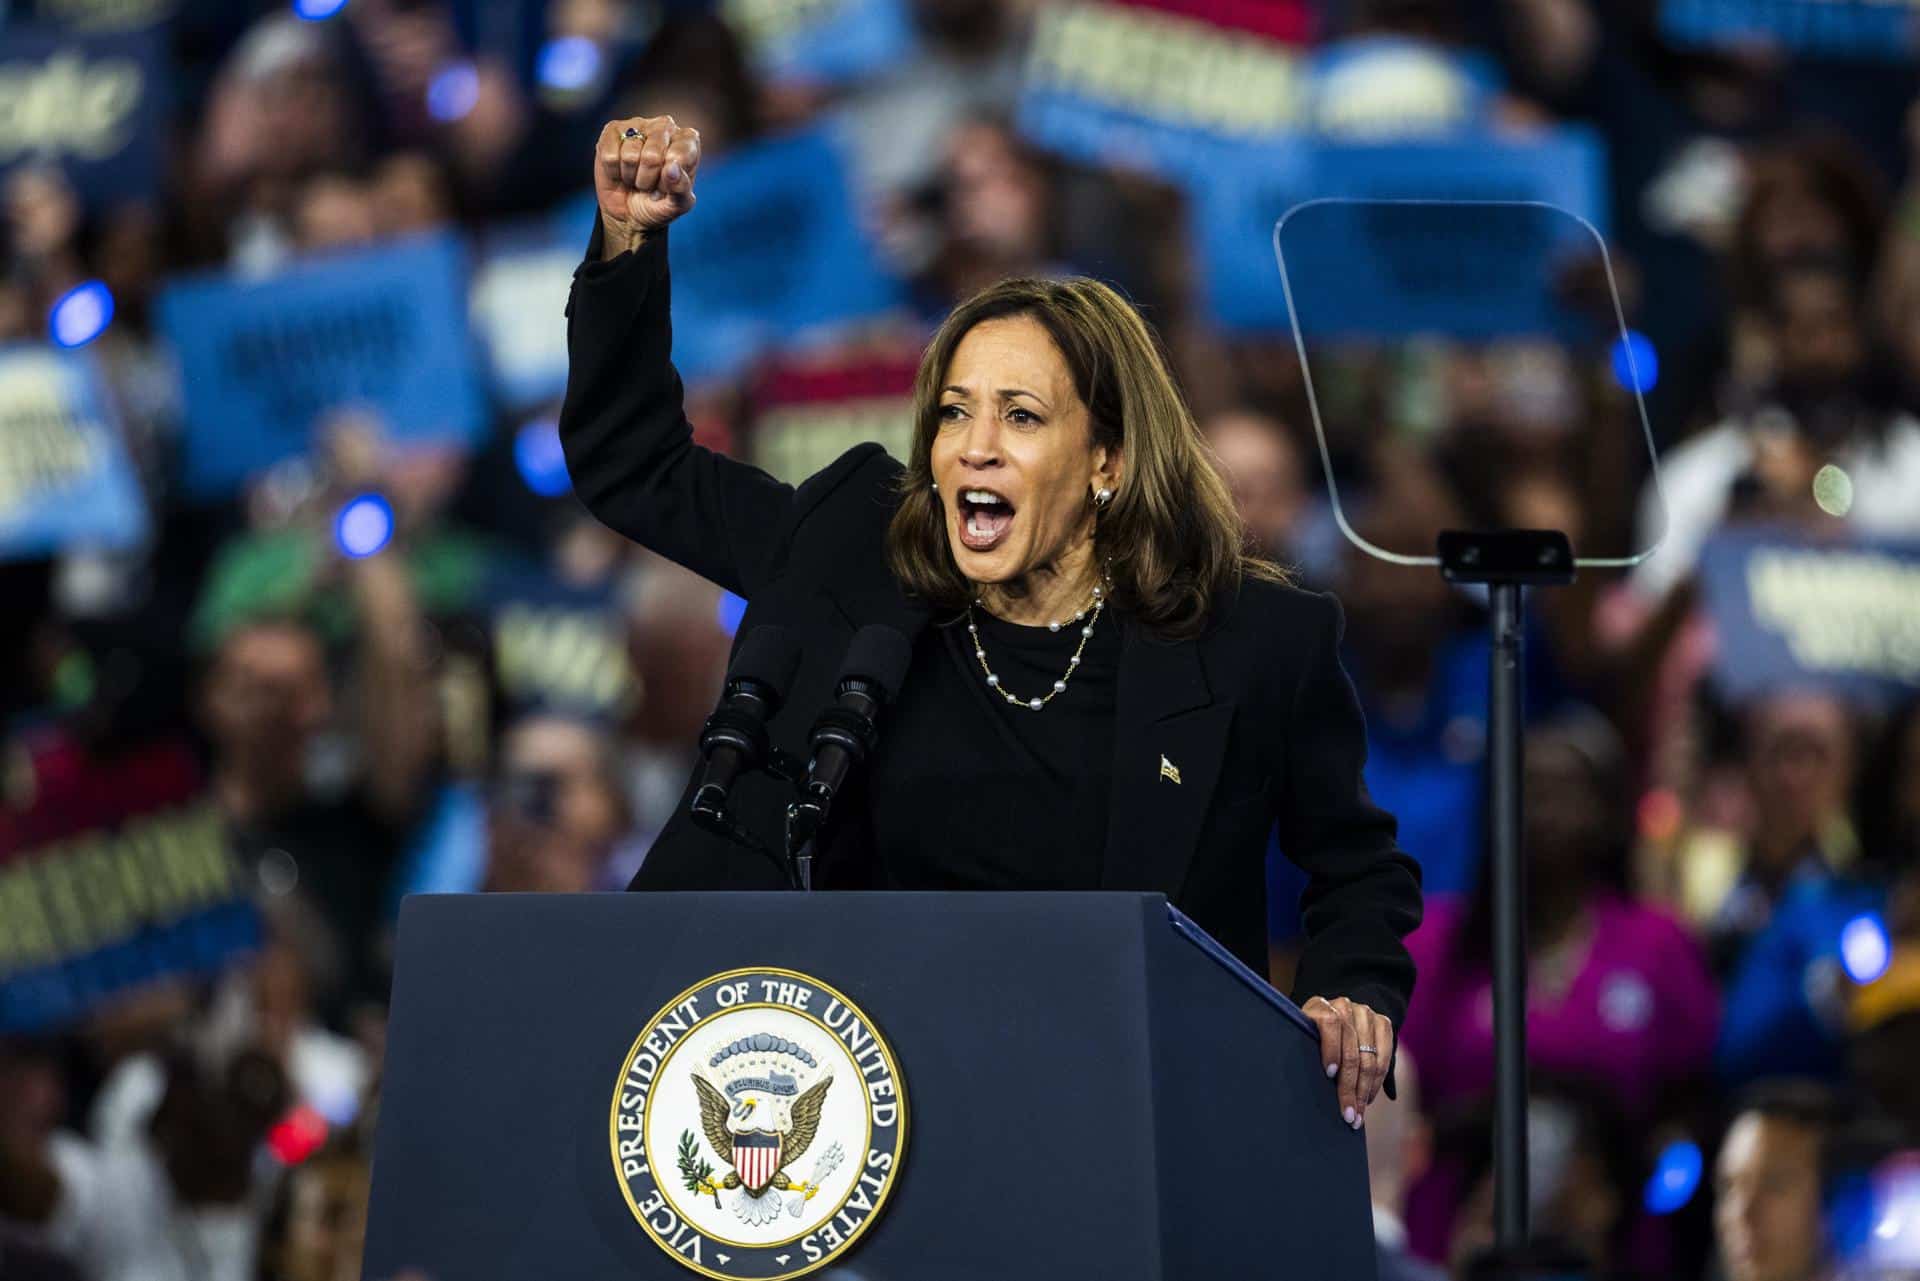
(1169, 771)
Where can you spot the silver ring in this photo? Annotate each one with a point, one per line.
(1368, 1049)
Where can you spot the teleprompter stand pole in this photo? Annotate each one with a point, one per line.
(1507, 561)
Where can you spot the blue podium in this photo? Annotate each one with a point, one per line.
(870, 1087)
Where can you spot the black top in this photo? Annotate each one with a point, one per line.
(1015, 800)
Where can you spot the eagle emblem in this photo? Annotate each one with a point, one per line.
(733, 1147)
(760, 1113)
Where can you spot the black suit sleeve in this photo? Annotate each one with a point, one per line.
(1363, 892)
(629, 445)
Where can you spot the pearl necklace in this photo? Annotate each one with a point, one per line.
(1098, 603)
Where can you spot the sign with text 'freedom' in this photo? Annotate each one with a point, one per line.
(1130, 85)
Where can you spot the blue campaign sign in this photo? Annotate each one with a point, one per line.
(65, 478)
(262, 360)
(93, 104)
(1401, 255)
(1882, 30)
(824, 42)
(518, 303)
(558, 648)
(1789, 613)
(116, 872)
(1107, 84)
(774, 248)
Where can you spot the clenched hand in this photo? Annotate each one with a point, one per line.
(643, 177)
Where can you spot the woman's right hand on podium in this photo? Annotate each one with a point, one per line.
(643, 173)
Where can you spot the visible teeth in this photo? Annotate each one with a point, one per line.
(981, 496)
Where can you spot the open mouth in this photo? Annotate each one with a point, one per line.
(985, 519)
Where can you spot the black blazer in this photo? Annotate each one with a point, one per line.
(1257, 714)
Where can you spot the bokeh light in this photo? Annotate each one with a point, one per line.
(81, 314)
(364, 526)
(1864, 948)
(539, 458)
(297, 1135)
(1833, 490)
(569, 63)
(453, 92)
(317, 10)
(1636, 366)
(1675, 1177)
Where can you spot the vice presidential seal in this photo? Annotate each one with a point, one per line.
(758, 1125)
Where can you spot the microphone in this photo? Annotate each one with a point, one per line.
(870, 677)
(734, 739)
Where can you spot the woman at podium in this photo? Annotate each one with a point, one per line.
(1106, 689)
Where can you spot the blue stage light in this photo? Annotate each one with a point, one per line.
(81, 314)
(1675, 1177)
(542, 463)
(364, 526)
(1636, 365)
(732, 610)
(569, 63)
(317, 10)
(453, 91)
(1864, 948)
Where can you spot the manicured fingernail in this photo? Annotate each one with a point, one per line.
(1349, 1115)
(1333, 1069)
(1360, 1121)
(673, 171)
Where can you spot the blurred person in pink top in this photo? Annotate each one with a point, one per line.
(1618, 993)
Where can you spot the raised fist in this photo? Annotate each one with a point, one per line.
(643, 176)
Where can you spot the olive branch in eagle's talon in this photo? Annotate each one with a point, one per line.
(695, 1169)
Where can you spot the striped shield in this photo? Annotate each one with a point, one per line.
(756, 1158)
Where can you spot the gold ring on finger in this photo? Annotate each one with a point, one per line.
(634, 133)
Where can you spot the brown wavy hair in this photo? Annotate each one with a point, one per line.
(1172, 537)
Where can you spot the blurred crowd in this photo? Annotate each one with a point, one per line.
(1724, 896)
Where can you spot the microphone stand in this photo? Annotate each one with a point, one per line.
(1507, 561)
(782, 766)
(804, 820)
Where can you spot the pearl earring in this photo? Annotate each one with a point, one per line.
(1103, 497)
(936, 486)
